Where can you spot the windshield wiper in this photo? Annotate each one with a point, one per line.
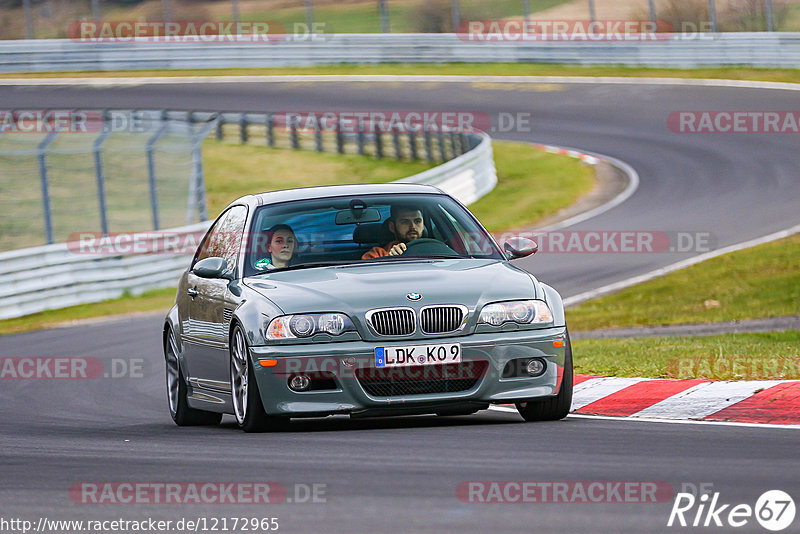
(310, 265)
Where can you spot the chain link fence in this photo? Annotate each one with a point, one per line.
(91, 171)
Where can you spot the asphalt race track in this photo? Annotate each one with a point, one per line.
(401, 475)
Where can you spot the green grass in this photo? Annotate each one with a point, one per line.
(772, 355)
(758, 282)
(234, 170)
(494, 69)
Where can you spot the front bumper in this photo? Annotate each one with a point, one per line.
(350, 396)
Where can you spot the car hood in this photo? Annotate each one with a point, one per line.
(354, 289)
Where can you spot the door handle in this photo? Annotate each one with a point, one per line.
(193, 292)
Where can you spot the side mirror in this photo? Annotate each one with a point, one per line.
(212, 268)
(519, 247)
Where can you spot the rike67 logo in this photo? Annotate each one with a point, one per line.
(774, 510)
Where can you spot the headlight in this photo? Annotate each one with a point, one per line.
(518, 311)
(306, 325)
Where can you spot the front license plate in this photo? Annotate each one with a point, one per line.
(417, 355)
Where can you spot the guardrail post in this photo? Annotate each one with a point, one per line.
(42, 153)
(412, 143)
(378, 143)
(243, 128)
(151, 172)
(339, 137)
(360, 136)
(98, 169)
(317, 136)
(428, 146)
(293, 136)
(398, 152)
(442, 147)
(270, 130)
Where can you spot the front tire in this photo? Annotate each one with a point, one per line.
(558, 406)
(246, 397)
(179, 408)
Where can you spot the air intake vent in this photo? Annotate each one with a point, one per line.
(394, 322)
(441, 319)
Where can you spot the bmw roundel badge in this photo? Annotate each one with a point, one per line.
(413, 296)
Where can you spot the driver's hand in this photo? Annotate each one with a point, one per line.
(397, 250)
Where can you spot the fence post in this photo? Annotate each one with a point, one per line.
(151, 172)
(42, 153)
(26, 6)
(98, 170)
(456, 14)
(453, 143)
(526, 10)
(198, 180)
(652, 6)
(270, 129)
(592, 13)
(309, 14)
(385, 28)
(712, 15)
(770, 20)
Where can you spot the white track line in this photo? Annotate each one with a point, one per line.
(142, 80)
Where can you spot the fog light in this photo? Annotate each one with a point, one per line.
(349, 361)
(535, 367)
(299, 383)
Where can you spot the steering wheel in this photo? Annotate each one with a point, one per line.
(425, 246)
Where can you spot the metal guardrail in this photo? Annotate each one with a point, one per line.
(758, 49)
(60, 275)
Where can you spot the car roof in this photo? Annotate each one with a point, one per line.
(325, 191)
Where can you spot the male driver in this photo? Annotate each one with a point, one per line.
(407, 224)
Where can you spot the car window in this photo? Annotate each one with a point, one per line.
(328, 230)
(224, 240)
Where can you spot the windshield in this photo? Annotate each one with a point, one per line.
(346, 230)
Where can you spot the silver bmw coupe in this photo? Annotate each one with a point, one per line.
(366, 300)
